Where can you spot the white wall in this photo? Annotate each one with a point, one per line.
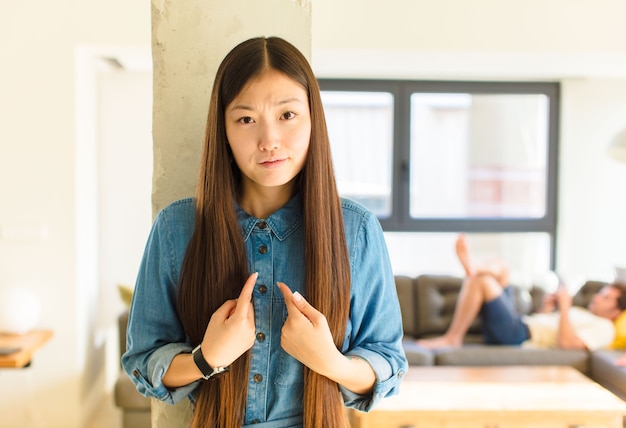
(38, 185)
(124, 195)
(592, 203)
(470, 26)
(469, 39)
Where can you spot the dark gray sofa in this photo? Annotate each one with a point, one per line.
(427, 303)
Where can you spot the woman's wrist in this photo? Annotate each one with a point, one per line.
(182, 371)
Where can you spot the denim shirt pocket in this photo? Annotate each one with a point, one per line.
(289, 371)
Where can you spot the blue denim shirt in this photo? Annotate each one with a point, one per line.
(275, 250)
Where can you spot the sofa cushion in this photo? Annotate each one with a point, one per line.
(436, 299)
(583, 296)
(416, 355)
(607, 373)
(491, 355)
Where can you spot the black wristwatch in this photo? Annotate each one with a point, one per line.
(207, 371)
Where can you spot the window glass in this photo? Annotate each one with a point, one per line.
(527, 255)
(360, 127)
(478, 155)
(435, 158)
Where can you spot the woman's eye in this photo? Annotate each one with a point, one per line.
(246, 119)
(288, 115)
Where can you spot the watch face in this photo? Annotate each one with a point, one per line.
(219, 371)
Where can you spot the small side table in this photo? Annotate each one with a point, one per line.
(27, 344)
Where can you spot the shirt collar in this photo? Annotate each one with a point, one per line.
(282, 222)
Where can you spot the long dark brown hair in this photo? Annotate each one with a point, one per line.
(621, 300)
(215, 266)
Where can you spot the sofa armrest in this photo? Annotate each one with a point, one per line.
(605, 371)
(406, 296)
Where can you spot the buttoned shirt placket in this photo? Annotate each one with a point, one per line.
(260, 241)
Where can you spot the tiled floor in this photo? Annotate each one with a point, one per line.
(108, 416)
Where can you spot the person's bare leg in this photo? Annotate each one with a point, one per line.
(462, 253)
(475, 291)
(496, 268)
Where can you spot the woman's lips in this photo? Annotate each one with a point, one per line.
(273, 163)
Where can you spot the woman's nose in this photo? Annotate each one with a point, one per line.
(269, 138)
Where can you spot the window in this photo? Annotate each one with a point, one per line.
(362, 130)
(444, 157)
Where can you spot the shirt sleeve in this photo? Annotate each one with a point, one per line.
(154, 334)
(594, 331)
(375, 325)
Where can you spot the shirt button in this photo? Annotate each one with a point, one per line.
(262, 225)
(262, 289)
(256, 421)
(136, 373)
(263, 249)
(257, 378)
(260, 337)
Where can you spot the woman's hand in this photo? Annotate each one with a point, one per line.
(563, 298)
(306, 335)
(231, 330)
(230, 333)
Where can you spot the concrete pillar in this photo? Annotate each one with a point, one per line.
(189, 39)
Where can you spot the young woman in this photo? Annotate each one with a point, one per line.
(266, 300)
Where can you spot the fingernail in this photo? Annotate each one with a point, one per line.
(297, 296)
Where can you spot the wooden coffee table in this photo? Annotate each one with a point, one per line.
(489, 397)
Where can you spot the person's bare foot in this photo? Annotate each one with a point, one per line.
(438, 342)
(462, 252)
(621, 361)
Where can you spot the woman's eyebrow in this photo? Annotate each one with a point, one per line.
(240, 107)
(278, 103)
(290, 100)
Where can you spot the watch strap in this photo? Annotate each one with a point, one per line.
(205, 368)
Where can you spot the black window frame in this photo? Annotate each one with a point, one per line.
(400, 219)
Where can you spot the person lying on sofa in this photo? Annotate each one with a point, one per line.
(557, 325)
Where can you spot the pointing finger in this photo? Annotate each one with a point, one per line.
(246, 293)
(287, 296)
(295, 302)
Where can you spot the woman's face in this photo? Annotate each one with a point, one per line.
(268, 126)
